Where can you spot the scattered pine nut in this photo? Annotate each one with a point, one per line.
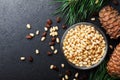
(37, 51)
(92, 19)
(56, 27)
(74, 79)
(51, 66)
(66, 77)
(57, 40)
(32, 34)
(50, 30)
(63, 78)
(37, 32)
(52, 47)
(43, 38)
(45, 28)
(53, 29)
(55, 51)
(76, 75)
(22, 58)
(28, 26)
(62, 65)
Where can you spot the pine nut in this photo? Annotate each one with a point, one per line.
(37, 51)
(28, 26)
(62, 65)
(37, 32)
(43, 38)
(32, 34)
(45, 28)
(22, 58)
(55, 51)
(52, 47)
(76, 75)
(57, 40)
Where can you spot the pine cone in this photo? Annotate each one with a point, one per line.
(113, 65)
(110, 20)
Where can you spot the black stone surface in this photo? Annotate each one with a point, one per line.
(14, 15)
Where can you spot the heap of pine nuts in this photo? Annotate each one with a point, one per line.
(84, 46)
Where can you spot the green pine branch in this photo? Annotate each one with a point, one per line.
(78, 10)
(101, 73)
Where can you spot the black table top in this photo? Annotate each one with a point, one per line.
(14, 15)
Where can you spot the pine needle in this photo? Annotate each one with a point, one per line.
(78, 10)
(101, 73)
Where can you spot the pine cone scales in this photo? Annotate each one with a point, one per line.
(110, 20)
(113, 66)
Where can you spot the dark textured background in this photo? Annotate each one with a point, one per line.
(14, 15)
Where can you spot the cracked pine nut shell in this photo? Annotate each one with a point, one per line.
(49, 53)
(53, 39)
(64, 26)
(29, 37)
(51, 43)
(30, 58)
(44, 34)
(47, 25)
(49, 21)
(58, 19)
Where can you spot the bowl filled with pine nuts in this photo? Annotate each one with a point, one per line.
(84, 45)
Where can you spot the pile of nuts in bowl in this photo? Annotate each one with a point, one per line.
(83, 45)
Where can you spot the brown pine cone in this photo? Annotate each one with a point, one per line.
(110, 20)
(113, 65)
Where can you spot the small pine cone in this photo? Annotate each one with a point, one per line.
(110, 20)
(113, 65)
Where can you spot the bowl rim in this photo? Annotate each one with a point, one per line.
(99, 30)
